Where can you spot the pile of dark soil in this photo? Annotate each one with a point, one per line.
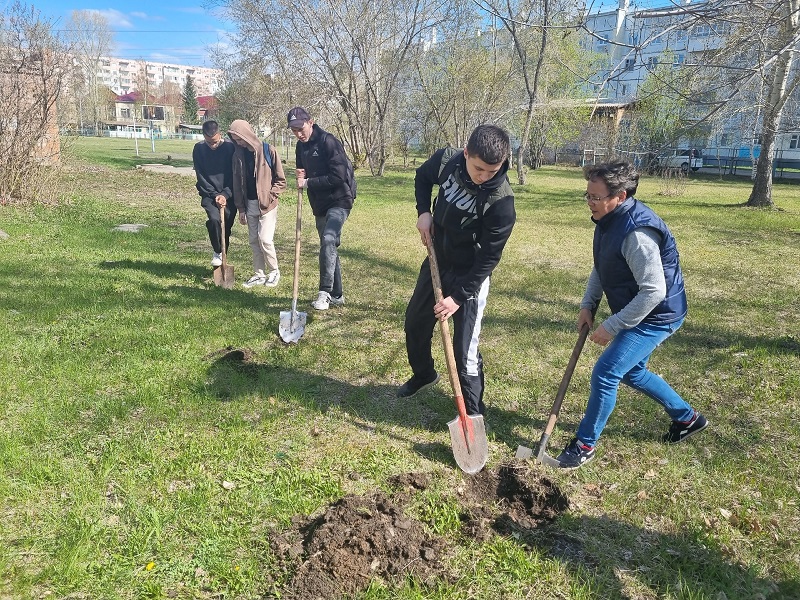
(356, 539)
(359, 538)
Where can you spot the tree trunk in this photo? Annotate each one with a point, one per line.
(761, 194)
(533, 91)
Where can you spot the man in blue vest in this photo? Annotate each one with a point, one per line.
(636, 266)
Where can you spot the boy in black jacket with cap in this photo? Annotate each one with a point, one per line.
(469, 224)
(324, 170)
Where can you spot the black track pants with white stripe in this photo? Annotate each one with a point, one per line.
(419, 327)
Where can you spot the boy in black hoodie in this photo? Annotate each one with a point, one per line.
(213, 166)
(470, 224)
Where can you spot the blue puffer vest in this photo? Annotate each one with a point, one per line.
(616, 278)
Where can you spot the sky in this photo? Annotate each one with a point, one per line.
(170, 31)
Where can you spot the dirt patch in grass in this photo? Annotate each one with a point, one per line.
(359, 538)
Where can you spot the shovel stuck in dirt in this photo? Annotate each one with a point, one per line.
(292, 324)
(542, 456)
(223, 275)
(467, 432)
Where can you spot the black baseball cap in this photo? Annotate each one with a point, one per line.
(297, 117)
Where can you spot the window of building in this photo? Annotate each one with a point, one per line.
(702, 30)
(793, 141)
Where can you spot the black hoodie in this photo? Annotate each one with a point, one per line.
(469, 244)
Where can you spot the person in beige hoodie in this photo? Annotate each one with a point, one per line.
(256, 187)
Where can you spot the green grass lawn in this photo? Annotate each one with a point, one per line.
(135, 462)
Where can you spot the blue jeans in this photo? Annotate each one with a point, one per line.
(329, 228)
(625, 360)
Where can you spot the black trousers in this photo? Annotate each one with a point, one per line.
(214, 223)
(419, 326)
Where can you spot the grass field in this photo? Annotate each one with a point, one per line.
(135, 462)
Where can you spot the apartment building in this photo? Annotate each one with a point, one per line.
(638, 36)
(125, 75)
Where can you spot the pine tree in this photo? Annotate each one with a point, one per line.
(190, 104)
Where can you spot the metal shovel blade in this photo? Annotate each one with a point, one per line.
(525, 453)
(292, 325)
(223, 277)
(470, 446)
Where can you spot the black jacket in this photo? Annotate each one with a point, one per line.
(469, 244)
(326, 164)
(214, 169)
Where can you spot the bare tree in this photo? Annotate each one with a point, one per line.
(91, 40)
(745, 77)
(541, 32)
(351, 52)
(780, 81)
(459, 82)
(33, 67)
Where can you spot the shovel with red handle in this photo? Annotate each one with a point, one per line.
(467, 432)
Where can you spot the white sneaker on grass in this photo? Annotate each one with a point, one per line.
(273, 278)
(216, 259)
(323, 301)
(254, 281)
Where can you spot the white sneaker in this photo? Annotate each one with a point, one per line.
(323, 301)
(337, 300)
(216, 260)
(255, 280)
(273, 278)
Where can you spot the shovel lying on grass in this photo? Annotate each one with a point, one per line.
(223, 276)
(467, 432)
(292, 324)
(542, 456)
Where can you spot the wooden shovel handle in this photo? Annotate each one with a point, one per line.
(562, 389)
(222, 227)
(297, 229)
(444, 328)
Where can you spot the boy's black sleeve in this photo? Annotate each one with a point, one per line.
(426, 177)
(203, 185)
(498, 222)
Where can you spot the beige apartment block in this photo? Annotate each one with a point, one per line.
(126, 75)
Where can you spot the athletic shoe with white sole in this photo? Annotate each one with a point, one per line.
(681, 430)
(323, 301)
(273, 278)
(575, 455)
(416, 384)
(337, 300)
(254, 281)
(216, 259)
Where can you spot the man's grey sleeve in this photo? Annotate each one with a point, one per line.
(593, 293)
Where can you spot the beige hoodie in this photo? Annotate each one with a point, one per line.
(268, 184)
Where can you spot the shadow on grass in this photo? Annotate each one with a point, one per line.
(235, 373)
(689, 564)
(158, 268)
